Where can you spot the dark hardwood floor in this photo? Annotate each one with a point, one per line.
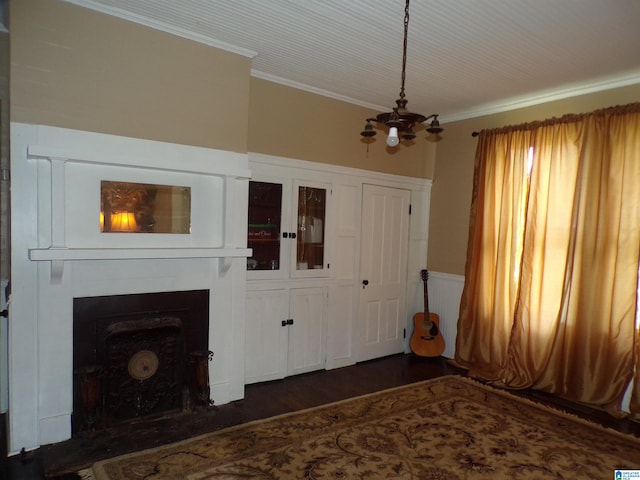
(261, 401)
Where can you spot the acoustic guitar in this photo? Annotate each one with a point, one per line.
(427, 339)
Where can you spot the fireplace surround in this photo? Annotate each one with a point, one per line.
(135, 356)
(59, 254)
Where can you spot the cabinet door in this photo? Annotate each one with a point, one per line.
(307, 334)
(268, 219)
(309, 257)
(265, 220)
(265, 336)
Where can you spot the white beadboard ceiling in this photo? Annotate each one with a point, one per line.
(465, 57)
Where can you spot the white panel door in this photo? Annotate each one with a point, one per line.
(383, 270)
(307, 334)
(265, 336)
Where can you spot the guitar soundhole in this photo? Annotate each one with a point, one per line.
(433, 331)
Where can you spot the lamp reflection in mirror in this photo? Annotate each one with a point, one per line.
(127, 207)
(123, 222)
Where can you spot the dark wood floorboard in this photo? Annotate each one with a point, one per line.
(261, 401)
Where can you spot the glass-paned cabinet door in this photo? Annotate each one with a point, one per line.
(310, 249)
(265, 222)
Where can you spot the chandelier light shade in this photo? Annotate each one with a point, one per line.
(400, 122)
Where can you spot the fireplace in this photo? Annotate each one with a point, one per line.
(139, 362)
(135, 356)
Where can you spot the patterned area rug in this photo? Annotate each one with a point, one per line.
(448, 428)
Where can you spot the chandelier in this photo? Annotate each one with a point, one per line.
(400, 121)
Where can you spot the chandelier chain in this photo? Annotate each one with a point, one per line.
(400, 121)
(404, 48)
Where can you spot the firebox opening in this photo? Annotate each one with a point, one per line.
(135, 356)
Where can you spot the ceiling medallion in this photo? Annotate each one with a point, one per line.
(400, 121)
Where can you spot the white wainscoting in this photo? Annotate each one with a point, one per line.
(445, 290)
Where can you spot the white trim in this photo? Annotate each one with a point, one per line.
(385, 178)
(44, 254)
(537, 98)
(189, 163)
(452, 277)
(319, 91)
(505, 105)
(163, 27)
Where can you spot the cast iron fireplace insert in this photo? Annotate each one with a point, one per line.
(134, 355)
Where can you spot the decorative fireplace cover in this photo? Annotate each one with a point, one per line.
(132, 355)
(143, 368)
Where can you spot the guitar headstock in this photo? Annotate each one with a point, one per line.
(424, 274)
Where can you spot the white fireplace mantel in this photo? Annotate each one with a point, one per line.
(59, 254)
(69, 254)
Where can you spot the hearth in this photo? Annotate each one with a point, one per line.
(138, 356)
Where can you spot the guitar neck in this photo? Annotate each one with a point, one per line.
(426, 300)
(425, 276)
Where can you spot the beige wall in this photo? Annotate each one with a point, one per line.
(75, 68)
(292, 123)
(453, 178)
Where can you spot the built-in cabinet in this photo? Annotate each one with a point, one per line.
(304, 227)
(286, 332)
(286, 230)
(287, 221)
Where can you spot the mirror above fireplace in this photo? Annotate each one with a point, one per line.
(127, 207)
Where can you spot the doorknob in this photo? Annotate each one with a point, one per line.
(365, 283)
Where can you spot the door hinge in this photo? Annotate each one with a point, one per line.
(409, 209)
(404, 333)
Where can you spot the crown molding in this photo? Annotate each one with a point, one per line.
(599, 85)
(307, 88)
(514, 103)
(163, 26)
